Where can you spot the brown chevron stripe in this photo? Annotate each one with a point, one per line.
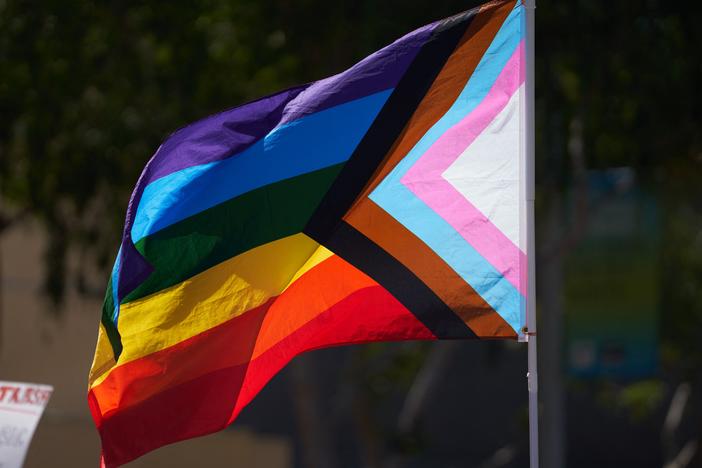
(361, 252)
(446, 87)
(383, 230)
(369, 219)
(392, 118)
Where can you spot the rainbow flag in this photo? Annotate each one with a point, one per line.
(382, 203)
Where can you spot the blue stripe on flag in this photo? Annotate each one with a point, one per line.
(313, 142)
(115, 279)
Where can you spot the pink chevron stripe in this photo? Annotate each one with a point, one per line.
(425, 178)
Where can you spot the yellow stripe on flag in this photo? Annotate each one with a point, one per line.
(319, 255)
(210, 298)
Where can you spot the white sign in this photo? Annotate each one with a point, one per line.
(21, 406)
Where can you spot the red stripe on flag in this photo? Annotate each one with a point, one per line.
(210, 402)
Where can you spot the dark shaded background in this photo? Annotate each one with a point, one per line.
(89, 89)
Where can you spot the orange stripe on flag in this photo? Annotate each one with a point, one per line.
(211, 397)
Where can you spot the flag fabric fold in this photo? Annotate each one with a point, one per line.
(380, 204)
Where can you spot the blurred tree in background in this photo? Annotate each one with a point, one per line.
(616, 88)
(88, 90)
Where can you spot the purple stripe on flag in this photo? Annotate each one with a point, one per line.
(228, 133)
(222, 135)
(219, 136)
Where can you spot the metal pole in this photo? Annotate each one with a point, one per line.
(528, 115)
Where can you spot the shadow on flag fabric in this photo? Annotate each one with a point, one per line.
(382, 203)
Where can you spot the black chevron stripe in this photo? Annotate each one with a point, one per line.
(364, 254)
(388, 125)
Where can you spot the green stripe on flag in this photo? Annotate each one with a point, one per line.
(212, 236)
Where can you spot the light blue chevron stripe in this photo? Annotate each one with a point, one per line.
(400, 203)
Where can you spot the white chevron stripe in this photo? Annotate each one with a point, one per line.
(487, 172)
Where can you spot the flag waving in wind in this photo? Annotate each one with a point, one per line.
(382, 203)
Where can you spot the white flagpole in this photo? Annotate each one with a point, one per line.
(528, 115)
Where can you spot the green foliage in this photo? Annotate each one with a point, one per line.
(636, 399)
(681, 304)
(628, 69)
